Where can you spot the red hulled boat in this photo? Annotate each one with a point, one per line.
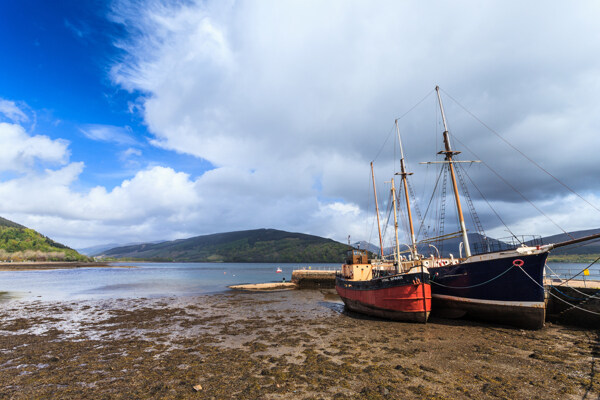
(378, 290)
(398, 290)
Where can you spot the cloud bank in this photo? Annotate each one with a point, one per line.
(290, 101)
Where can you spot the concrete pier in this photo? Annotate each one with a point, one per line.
(301, 279)
(313, 279)
(574, 302)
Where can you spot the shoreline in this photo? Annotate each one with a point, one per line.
(48, 265)
(268, 286)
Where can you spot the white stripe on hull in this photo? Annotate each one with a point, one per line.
(527, 304)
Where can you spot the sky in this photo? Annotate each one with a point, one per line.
(143, 120)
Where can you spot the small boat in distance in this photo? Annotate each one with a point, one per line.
(279, 270)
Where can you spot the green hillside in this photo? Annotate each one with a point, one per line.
(260, 245)
(18, 243)
(9, 224)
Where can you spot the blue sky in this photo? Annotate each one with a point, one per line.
(141, 120)
(60, 58)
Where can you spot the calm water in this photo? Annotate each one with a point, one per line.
(145, 280)
(567, 270)
(167, 279)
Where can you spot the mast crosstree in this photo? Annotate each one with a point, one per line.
(449, 154)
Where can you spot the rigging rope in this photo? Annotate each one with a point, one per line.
(369, 211)
(442, 209)
(520, 152)
(388, 211)
(512, 187)
(474, 217)
(492, 208)
(431, 199)
(417, 210)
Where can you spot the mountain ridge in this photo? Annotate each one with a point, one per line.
(272, 245)
(256, 245)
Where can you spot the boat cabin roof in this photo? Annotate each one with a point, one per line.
(357, 256)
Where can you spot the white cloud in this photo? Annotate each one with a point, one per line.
(291, 100)
(156, 203)
(303, 93)
(12, 111)
(20, 151)
(131, 157)
(242, 84)
(108, 133)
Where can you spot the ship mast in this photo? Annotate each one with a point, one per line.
(449, 154)
(404, 174)
(377, 210)
(397, 253)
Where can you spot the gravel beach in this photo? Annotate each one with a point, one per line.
(281, 345)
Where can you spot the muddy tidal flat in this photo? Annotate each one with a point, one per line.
(279, 345)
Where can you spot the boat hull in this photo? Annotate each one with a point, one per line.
(403, 297)
(494, 290)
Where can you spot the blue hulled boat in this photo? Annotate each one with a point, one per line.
(504, 287)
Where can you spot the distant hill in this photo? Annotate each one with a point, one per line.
(18, 243)
(591, 247)
(271, 245)
(260, 245)
(364, 245)
(101, 248)
(90, 251)
(447, 247)
(478, 245)
(9, 224)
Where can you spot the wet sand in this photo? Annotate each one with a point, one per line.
(278, 345)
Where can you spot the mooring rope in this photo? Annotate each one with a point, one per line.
(586, 297)
(472, 286)
(580, 272)
(557, 297)
(571, 287)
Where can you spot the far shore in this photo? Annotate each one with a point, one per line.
(35, 265)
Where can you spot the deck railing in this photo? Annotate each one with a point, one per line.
(488, 245)
(577, 273)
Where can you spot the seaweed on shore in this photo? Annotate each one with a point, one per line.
(277, 345)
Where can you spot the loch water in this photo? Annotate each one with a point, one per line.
(153, 280)
(141, 280)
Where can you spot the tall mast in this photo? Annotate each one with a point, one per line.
(397, 254)
(449, 154)
(404, 174)
(377, 210)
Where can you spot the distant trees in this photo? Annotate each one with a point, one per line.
(23, 244)
(287, 249)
